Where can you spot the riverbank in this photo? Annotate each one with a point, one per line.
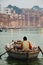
(22, 28)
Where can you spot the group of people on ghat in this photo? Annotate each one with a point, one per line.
(24, 45)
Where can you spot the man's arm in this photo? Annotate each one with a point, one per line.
(30, 45)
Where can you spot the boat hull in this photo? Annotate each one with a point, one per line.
(24, 55)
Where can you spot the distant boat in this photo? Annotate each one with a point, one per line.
(0, 30)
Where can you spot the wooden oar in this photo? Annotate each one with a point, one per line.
(8, 50)
(40, 50)
(5, 52)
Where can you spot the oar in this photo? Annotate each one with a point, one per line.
(40, 50)
(5, 52)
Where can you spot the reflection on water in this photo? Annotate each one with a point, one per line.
(24, 62)
(41, 29)
(11, 32)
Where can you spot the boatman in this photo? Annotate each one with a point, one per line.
(26, 44)
(10, 45)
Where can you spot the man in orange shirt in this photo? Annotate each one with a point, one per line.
(26, 44)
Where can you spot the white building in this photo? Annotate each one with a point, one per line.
(6, 11)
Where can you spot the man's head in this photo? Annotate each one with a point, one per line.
(12, 40)
(24, 38)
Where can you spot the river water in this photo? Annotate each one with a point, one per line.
(34, 35)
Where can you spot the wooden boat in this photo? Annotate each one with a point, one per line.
(23, 54)
(20, 54)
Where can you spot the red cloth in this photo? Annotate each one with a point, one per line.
(30, 46)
